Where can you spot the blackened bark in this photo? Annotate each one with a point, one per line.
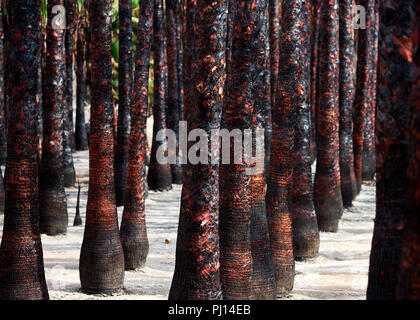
(77, 218)
(262, 278)
(52, 196)
(3, 127)
(304, 221)
(101, 257)
(327, 187)
(197, 266)
(363, 101)
(133, 226)
(125, 82)
(159, 175)
(392, 130)
(21, 259)
(346, 98)
(408, 275)
(281, 160)
(68, 139)
(81, 133)
(174, 110)
(2, 194)
(314, 72)
(369, 140)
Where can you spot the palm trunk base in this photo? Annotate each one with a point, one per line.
(369, 166)
(135, 245)
(262, 280)
(77, 221)
(329, 211)
(101, 266)
(305, 237)
(69, 176)
(349, 188)
(285, 278)
(53, 213)
(177, 174)
(159, 177)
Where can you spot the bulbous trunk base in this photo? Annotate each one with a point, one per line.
(159, 177)
(177, 174)
(285, 278)
(135, 245)
(53, 213)
(305, 237)
(53, 225)
(69, 177)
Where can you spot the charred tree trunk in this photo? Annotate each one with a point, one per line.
(281, 160)
(159, 175)
(363, 85)
(77, 218)
(327, 187)
(52, 196)
(274, 34)
(197, 264)
(314, 72)
(21, 259)
(80, 133)
(304, 222)
(346, 98)
(133, 226)
(101, 257)
(3, 120)
(2, 194)
(369, 140)
(125, 77)
(408, 275)
(68, 139)
(392, 130)
(174, 114)
(262, 278)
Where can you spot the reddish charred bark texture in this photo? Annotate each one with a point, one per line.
(21, 258)
(346, 98)
(304, 221)
(3, 127)
(314, 72)
(68, 140)
(175, 105)
(409, 272)
(133, 226)
(159, 175)
(274, 34)
(369, 140)
(262, 278)
(101, 257)
(52, 196)
(81, 133)
(197, 264)
(363, 101)
(392, 131)
(327, 187)
(125, 76)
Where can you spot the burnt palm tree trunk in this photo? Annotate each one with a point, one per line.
(52, 196)
(133, 226)
(21, 258)
(369, 140)
(159, 175)
(346, 97)
(174, 115)
(315, 25)
(101, 257)
(364, 79)
(392, 127)
(3, 127)
(125, 79)
(262, 278)
(327, 187)
(304, 222)
(281, 160)
(197, 265)
(68, 140)
(408, 275)
(81, 133)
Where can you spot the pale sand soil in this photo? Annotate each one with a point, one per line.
(340, 271)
